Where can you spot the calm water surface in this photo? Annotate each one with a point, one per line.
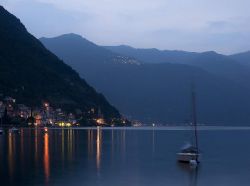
(122, 157)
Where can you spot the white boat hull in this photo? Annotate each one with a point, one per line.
(187, 157)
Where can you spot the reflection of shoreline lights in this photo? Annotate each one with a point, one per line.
(98, 147)
(22, 148)
(63, 144)
(10, 156)
(112, 146)
(46, 157)
(36, 146)
(123, 142)
(70, 144)
(90, 142)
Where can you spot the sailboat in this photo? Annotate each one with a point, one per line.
(190, 152)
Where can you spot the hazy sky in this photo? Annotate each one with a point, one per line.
(194, 25)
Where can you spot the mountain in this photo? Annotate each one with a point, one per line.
(32, 74)
(229, 67)
(224, 66)
(243, 58)
(159, 92)
(153, 55)
(95, 53)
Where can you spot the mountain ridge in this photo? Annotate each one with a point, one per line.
(161, 92)
(32, 74)
(243, 58)
(104, 55)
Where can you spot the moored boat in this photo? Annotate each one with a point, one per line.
(190, 153)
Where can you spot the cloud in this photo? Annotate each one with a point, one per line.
(170, 24)
(218, 24)
(43, 19)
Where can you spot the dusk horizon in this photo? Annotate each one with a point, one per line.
(166, 25)
(152, 47)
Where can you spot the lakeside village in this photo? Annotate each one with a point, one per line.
(20, 115)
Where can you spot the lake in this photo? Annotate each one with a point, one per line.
(123, 156)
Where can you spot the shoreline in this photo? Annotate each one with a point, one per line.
(160, 128)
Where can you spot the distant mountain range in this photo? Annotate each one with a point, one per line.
(94, 54)
(243, 58)
(32, 74)
(231, 67)
(154, 55)
(155, 87)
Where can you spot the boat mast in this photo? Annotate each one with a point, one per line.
(194, 117)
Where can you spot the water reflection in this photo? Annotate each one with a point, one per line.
(192, 173)
(90, 143)
(1, 152)
(36, 147)
(11, 156)
(22, 150)
(118, 157)
(153, 141)
(62, 145)
(46, 157)
(98, 148)
(70, 144)
(123, 142)
(112, 144)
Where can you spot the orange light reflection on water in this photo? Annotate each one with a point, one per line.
(36, 146)
(98, 148)
(10, 155)
(46, 158)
